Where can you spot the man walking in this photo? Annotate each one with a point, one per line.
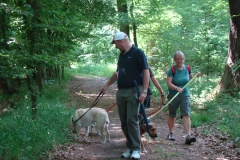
(132, 66)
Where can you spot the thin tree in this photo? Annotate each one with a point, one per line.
(123, 16)
(134, 25)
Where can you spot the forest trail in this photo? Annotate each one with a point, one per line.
(82, 93)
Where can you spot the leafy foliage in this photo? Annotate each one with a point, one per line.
(23, 138)
(192, 27)
(221, 110)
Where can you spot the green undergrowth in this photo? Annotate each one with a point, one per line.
(89, 69)
(221, 112)
(22, 138)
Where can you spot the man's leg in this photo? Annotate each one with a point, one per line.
(122, 111)
(132, 119)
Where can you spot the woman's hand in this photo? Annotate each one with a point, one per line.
(180, 90)
(198, 74)
(162, 93)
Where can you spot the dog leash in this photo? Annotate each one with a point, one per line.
(162, 99)
(143, 109)
(94, 103)
(173, 97)
(110, 107)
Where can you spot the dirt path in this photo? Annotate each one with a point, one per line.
(83, 92)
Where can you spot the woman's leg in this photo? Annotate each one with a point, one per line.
(171, 122)
(187, 124)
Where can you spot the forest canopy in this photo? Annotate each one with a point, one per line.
(40, 38)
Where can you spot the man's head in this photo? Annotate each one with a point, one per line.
(119, 36)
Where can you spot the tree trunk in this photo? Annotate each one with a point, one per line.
(151, 52)
(33, 97)
(40, 78)
(123, 15)
(62, 69)
(6, 84)
(231, 77)
(32, 32)
(133, 24)
(4, 26)
(58, 74)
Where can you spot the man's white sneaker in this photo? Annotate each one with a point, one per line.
(127, 153)
(136, 155)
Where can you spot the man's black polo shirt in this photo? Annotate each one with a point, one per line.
(130, 67)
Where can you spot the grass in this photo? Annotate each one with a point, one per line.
(166, 154)
(222, 117)
(221, 111)
(23, 139)
(93, 69)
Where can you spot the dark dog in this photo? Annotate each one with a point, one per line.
(143, 129)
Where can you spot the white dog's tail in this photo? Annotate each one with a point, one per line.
(107, 119)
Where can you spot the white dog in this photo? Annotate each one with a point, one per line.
(94, 116)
